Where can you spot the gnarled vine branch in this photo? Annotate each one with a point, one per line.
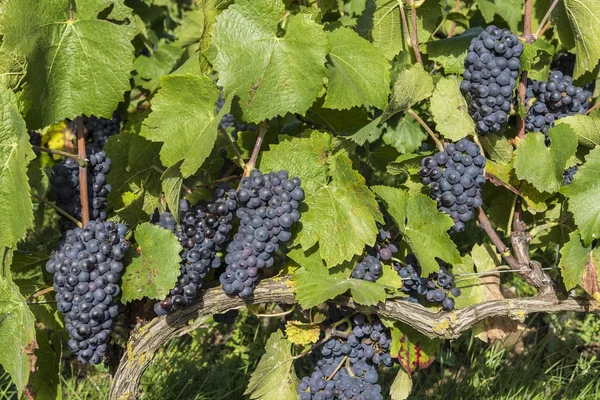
(146, 340)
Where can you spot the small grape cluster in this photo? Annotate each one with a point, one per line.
(346, 367)
(64, 187)
(436, 288)
(203, 231)
(99, 130)
(229, 121)
(569, 174)
(87, 270)
(552, 100)
(268, 207)
(35, 138)
(491, 69)
(455, 177)
(370, 268)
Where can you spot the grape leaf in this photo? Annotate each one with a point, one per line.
(406, 135)
(497, 148)
(341, 211)
(45, 380)
(367, 132)
(587, 128)
(132, 171)
(412, 85)
(15, 153)
(338, 121)
(380, 23)
(583, 194)
(421, 225)
(302, 334)
(451, 53)
(509, 10)
(272, 74)
(274, 376)
(191, 29)
(171, 184)
(542, 166)
(358, 72)
(156, 270)
(578, 26)
(579, 265)
(402, 385)
(13, 68)
(429, 15)
(79, 66)
(161, 62)
(412, 348)
(189, 135)
(17, 333)
(449, 110)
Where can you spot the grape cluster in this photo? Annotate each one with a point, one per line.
(569, 174)
(491, 69)
(203, 231)
(98, 130)
(87, 269)
(552, 100)
(35, 138)
(347, 367)
(268, 207)
(455, 177)
(436, 288)
(64, 182)
(229, 121)
(369, 269)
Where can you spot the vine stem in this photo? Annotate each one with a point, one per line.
(485, 224)
(453, 26)
(41, 293)
(56, 208)
(540, 228)
(80, 161)
(415, 33)
(233, 146)
(546, 17)
(262, 130)
(404, 24)
(432, 134)
(83, 181)
(281, 314)
(595, 106)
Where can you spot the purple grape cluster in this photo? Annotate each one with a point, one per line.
(346, 366)
(87, 267)
(35, 139)
(552, 100)
(437, 288)
(203, 231)
(491, 70)
(99, 130)
(229, 121)
(64, 186)
(369, 269)
(455, 177)
(569, 174)
(268, 207)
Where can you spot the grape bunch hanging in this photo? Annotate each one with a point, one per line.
(203, 231)
(86, 268)
(99, 130)
(455, 177)
(491, 70)
(370, 267)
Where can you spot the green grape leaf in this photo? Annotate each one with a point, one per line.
(160, 63)
(509, 10)
(191, 29)
(587, 128)
(358, 73)
(44, 383)
(451, 53)
(380, 23)
(497, 148)
(402, 385)
(413, 350)
(17, 334)
(578, 26)
(421, 225)
(429, 15)
(13, 68)
(406, 135)
(15, 153)
(133, 176)
(583, 194)
(542, 166)
(315, 283)
(156, 270)
(171, 184)
(339, 122)
(69, 73)
(449, 110)
(274, 376)
(342, 211)
(579, 265)
(412, 85)
(366, 132)
(272, 74)
(189, 135)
